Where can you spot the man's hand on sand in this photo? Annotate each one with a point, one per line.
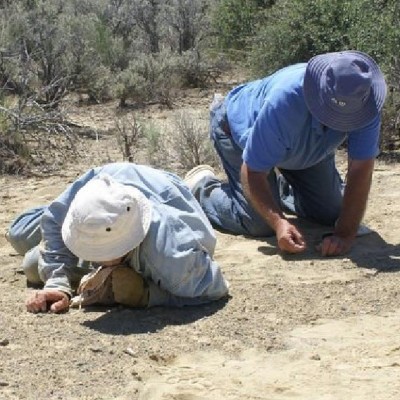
(289, 238)
(333, 245)
(47, 300)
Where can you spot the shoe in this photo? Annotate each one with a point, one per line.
(196, 174)
(361, 231)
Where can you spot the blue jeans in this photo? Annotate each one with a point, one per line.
(24, 236)
(314, 193)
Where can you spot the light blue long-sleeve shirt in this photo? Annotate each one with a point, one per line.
(176, 256)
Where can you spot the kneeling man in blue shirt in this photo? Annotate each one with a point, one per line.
(277, 137)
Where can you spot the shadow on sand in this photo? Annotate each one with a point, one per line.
(125, 321)
(370, 251)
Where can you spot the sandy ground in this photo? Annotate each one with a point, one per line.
(295, 327)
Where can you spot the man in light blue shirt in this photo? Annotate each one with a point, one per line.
(139, 225)
(277, 137)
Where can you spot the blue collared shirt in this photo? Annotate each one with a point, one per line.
(176, 256)
(270, 121)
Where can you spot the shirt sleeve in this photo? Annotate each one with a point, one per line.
(180, 271)
(160, 296)
(363, 144)
(58, 267)
(270, 138)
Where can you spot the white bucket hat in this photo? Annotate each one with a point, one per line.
(106, 220)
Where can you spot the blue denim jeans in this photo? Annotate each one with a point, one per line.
(24, 236)
(314, 193)
(24, 231)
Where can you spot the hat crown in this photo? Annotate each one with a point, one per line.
(106, 220)
(344, 90)
(102, 203)
(348, 82)
(101, 218)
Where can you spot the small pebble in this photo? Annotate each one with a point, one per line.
(96, 349)
(371, 272)
(130, 351)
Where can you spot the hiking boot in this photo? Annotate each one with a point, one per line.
(196, 174)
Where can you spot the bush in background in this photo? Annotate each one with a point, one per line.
(190, 140)
(146, 51)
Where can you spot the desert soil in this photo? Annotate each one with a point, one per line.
(295, 327)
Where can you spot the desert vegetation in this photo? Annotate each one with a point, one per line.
(132, 53)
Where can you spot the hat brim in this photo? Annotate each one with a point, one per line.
(321, 108)
(99, 251)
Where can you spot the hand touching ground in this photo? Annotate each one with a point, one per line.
(289, 238)
(47, 300)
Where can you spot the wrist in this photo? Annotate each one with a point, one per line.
(280, 222)
(345, 231)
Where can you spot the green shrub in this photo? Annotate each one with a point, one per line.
(129, 134)
(156, 145)
(149, 77)
(190, 140)
(234, 23)
(294, 31)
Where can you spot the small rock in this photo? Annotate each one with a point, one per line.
(96, 349)
(154, 357)
(371, 272)
(4, 342)
(130, 351)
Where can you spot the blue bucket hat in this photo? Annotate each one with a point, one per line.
(344, 90)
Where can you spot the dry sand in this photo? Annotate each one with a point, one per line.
(295, 327)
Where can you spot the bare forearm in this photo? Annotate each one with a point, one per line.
(355, 197)
(257, 190)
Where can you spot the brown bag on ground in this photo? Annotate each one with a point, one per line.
(111, 285)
